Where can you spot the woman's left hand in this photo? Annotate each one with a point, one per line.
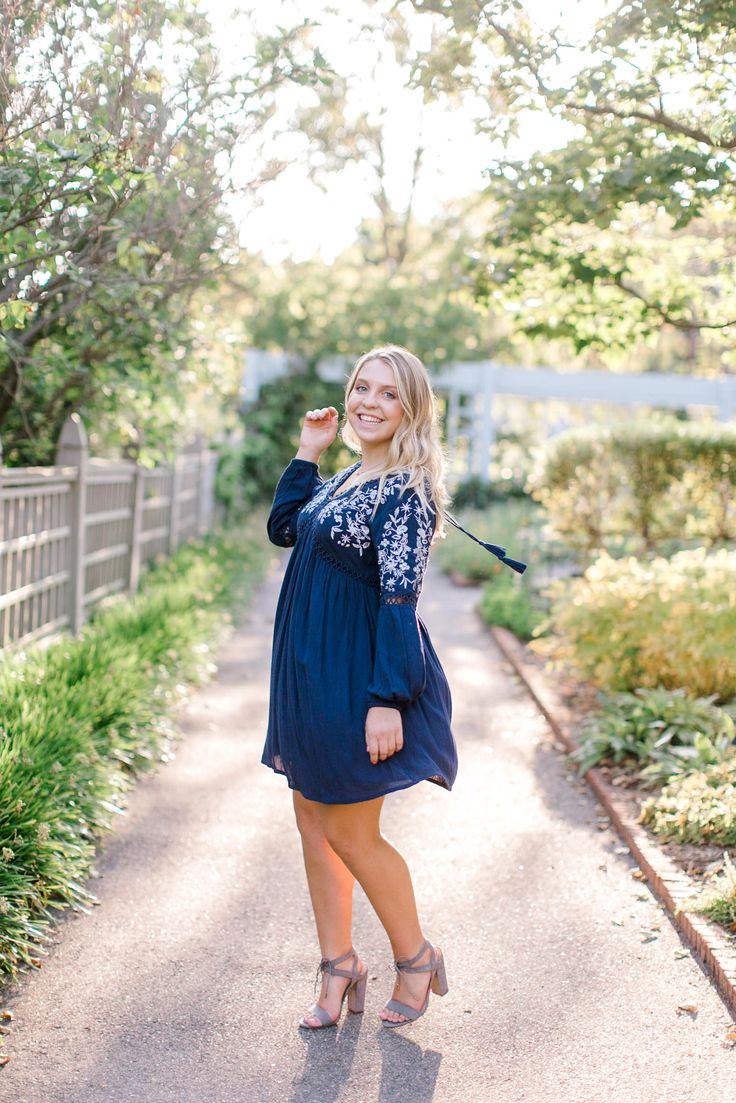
(384, 733)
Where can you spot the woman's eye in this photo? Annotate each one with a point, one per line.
(362, 387)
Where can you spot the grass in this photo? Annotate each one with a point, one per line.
(80, 720)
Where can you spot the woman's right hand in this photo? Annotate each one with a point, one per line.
(319, 429)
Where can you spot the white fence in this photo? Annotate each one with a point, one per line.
(75, 533)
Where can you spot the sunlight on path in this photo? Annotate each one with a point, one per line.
(186, 983)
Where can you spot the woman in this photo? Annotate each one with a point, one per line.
(359, 704)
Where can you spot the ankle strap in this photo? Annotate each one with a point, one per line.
(408, 966)
(328, 966)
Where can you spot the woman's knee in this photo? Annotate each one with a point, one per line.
(308, 819)
(348, 839)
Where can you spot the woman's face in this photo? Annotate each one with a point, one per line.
(373, 408)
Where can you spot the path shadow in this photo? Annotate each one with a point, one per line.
(408, 1072)
(328, 1060)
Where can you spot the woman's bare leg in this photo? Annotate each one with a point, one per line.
(353, 833)
(331, 892)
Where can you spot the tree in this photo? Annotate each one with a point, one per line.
(117, 129)
(630, 226)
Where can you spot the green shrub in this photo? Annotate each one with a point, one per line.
(665, 730)
(652, 481)
(628, 623)
(81, 718)
(698, 807)
(720, 903)
(477, 493)
(516, 524)
(507, 602)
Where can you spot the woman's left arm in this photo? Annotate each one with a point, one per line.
(402, 531)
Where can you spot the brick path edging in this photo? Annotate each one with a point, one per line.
(670, 883)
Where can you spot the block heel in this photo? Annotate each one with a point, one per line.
(439, 979)
(356, 994)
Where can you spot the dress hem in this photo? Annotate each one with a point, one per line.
(357, 800)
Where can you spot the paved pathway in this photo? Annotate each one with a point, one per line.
(185, 984)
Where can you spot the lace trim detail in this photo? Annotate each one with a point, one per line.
(399, 599)
(339, 565)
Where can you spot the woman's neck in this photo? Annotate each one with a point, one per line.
(371, 458)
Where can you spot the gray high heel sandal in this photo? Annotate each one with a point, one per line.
(355, 991)
(437, 984)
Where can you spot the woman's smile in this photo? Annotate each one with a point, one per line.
(373, 407)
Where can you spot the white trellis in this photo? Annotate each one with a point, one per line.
(470, 389)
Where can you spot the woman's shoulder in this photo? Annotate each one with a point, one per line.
(396, 489)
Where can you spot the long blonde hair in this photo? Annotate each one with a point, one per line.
(416, 446)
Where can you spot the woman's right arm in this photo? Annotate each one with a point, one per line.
(301, 480)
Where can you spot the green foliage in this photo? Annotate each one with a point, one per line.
(477, 493)
(629, 623)
(507, 603)
(651, 482)
(720, 903)
(81, 719)
(272, 430)
(508, 599)
(697, 807)
(628, 225)
(667, 731)
(316, 310)
(111, 214)
(514, 524)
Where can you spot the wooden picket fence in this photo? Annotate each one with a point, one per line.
(76, 533)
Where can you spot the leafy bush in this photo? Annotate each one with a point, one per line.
(273, 427)
(477, 493)
(666, 730)
(656, 482)
(627, 623)
(720, 903)
(515, 524)
(81, 718)
(699, 807)
(508, 603)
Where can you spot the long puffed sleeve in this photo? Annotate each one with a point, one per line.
(401, 532)
(300, 481)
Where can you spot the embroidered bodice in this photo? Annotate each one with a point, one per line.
(388, 551)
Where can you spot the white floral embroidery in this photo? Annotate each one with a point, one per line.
(323, 493)
(402, 557)
(402, 560)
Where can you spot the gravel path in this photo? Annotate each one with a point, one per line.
(186, 983)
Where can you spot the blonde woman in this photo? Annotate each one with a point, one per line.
(359, 703)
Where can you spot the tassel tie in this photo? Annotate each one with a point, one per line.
(495, 549)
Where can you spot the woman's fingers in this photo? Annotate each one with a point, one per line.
(323, 414)
(382, 744)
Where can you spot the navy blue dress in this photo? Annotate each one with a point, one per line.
(347, 637)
